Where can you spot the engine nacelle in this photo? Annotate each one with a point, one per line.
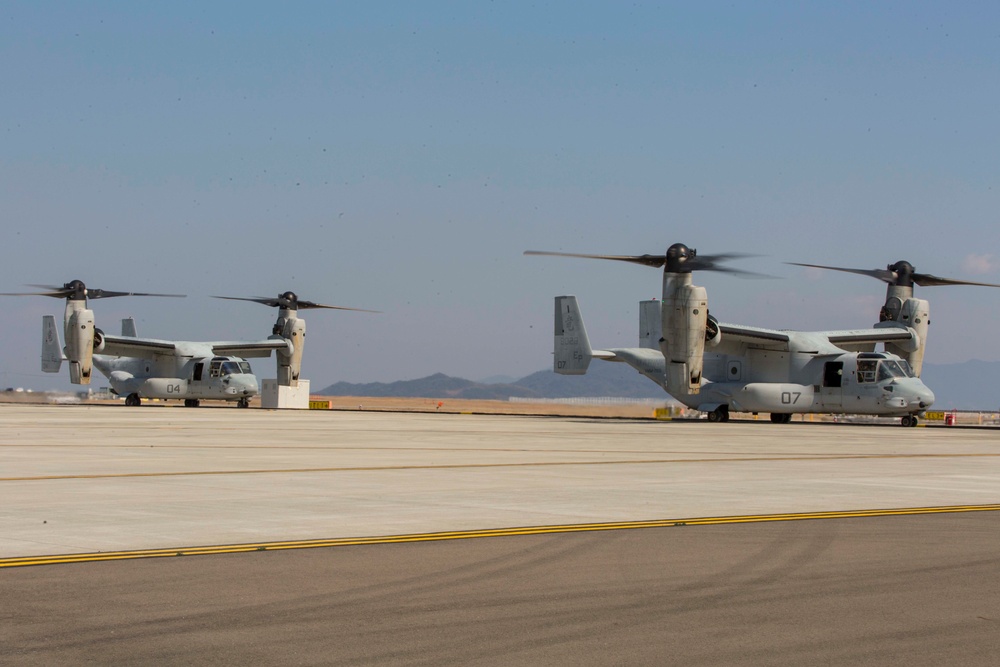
(79, 343)
(684, 324)
(293, 330)
(916, 314)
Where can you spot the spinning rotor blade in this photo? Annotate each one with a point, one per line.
(290, 301)
(927, 280)
(77, 290)
(655, 261)
(709, 263)
(53, 293)
(678, 259)
(879, 274)
(900, 273)
(104, 294)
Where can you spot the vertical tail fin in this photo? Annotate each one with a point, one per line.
(128, 328)
(572, 347)
(650, 324)
(52, 354)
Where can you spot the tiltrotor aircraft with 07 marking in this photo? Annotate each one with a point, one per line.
(191, 371)
(717, 367)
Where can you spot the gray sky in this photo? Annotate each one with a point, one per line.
(401, 156)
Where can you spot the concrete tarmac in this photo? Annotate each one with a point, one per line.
(89, 479)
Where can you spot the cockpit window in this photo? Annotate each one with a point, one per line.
(245, 368)
(231, 368)
(892, 369)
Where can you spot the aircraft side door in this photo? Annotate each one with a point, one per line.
(197, 385)
(864, 394)
(832, 390)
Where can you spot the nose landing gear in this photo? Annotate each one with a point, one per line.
(908, 420)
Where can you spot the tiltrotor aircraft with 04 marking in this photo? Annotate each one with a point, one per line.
(191, 371)
(717, 367)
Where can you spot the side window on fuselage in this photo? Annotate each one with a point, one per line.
(199, 368)
(866, 370)
(833, 374)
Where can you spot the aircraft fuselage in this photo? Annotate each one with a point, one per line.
(873, 383)
(180, 377)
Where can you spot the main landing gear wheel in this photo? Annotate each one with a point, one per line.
(781, 417)
(908, 420)
(243, 403)
(191, 402)
(720, 414)
(133, 400)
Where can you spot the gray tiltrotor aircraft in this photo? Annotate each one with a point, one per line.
(716, 367)
(139, 368)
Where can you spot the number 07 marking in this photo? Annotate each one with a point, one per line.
(790, 397)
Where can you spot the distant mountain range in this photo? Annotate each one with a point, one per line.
(973, 385)
(602, 379)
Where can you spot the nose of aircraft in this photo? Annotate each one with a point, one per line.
(922, 396)
(242, 385)
(248, 385)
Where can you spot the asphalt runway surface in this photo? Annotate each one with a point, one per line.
(918, 590)
(881, 588)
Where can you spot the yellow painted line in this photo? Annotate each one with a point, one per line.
(474, 534)
(518, 464)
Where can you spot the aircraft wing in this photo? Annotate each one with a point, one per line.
(816, 342)
(864, 340)
(127, 346)
(247, 349)
(878, 335)
(148, 348)
(754, 336)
